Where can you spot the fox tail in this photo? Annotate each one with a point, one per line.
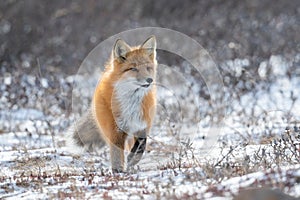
(85, 133)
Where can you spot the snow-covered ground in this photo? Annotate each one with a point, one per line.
(257, 146)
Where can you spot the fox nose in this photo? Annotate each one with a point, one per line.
(149, 80)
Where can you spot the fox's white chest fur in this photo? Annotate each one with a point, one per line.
(130, 114)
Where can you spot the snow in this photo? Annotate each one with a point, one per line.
(278, 65)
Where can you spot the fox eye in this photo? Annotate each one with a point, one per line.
(133, 69)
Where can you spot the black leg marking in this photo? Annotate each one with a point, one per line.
(136, 152)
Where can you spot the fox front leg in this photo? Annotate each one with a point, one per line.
(137, 151)
(117, 142)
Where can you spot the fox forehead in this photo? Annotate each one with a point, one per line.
(138, 57)
(138, 64)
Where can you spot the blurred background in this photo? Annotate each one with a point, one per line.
(58, 35)
(255, 45)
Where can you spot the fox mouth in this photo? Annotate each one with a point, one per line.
(142, 87)
(145, 85)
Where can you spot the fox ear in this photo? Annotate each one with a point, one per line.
(150, 45)
(121, 49)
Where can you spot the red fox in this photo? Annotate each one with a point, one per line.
(123, 104)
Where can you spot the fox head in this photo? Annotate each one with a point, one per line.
(135, 67)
